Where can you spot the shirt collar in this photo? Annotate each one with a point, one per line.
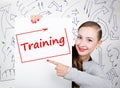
(90, 59)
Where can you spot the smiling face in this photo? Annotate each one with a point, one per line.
(87, 40)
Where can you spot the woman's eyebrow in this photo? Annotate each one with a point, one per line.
(79, 34)
(90, 38)
(86, 37)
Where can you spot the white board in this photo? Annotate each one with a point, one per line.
(50, 38)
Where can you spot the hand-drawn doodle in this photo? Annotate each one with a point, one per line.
(45, 12)
(7, 71)
(112, 10)
(98, 11)
(100, 1)
(66, 1)
(5, 20)
(7, 75)
(75, 12)
(113, 54)
(116, 84)
(114, 31)
(25, 7)
(100, 58)
(58, 7)
(21, 8)
(112, 74)
(13, 41)
(75, 20)
(114, 58)
(69, 7)
(74, 32)
(35, 3)
(115, 27)
(88, 6)
(40, 5)
(105, 29)
(12, 17)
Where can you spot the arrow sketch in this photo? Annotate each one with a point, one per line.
(75, 20)
(113, 54)
(75, 12)
(4, 20)
(58, 7)
(114, 31)
(103, 10)
(105, 29)
(88, 7)
(112, 74)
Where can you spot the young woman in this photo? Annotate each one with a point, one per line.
(84, 73)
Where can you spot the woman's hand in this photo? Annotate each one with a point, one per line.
(35, 18)
(61, 69)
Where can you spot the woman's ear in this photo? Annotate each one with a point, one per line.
(99, 43)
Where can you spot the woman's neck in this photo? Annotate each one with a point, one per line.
(84, 58)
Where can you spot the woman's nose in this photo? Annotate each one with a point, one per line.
(82, 43)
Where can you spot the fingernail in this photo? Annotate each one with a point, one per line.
(32, 21)
(38, 19)
(47, 60)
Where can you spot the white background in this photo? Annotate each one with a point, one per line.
(105, 12)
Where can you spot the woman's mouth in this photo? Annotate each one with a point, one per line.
(82, 49)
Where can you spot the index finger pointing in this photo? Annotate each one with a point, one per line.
(53, 62)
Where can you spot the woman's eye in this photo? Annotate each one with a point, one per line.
(89, 40)
(79, 37)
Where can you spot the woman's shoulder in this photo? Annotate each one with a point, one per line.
(91, 64)
(93, 68)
